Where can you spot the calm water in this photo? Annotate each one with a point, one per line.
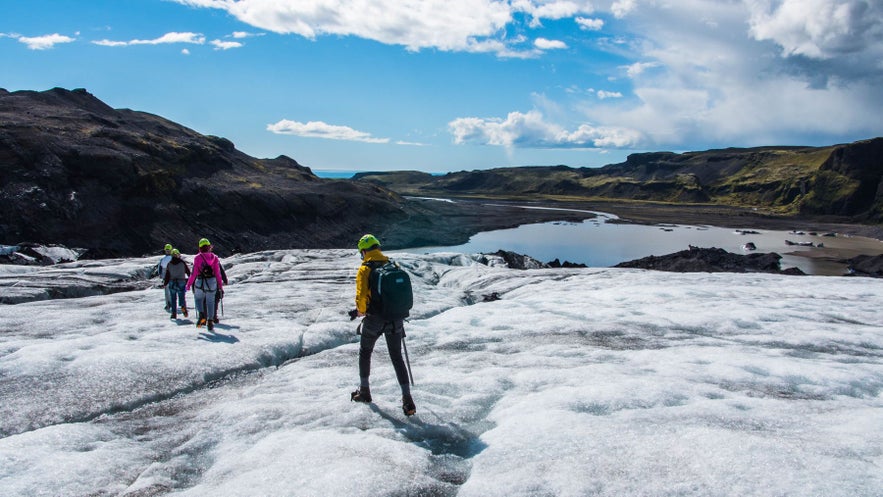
(597, 243)
(335, 174)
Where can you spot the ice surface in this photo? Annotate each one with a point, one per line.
(577, 382)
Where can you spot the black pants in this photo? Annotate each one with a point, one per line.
(372, 328)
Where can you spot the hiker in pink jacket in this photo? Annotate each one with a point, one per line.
(205, 279)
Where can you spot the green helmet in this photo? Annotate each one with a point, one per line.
(203, 242)
(176, 252)
(368, 241)
(167, 247)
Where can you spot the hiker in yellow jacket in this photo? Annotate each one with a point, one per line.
(373, 325)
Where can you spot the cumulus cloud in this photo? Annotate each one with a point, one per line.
(622, 8)
(173, 37)
(608, 94)
(735, 72)
(478, 26)
(820, 29)
(715, 82)
(319, 129)
(531, 130)
(590, 24)
(638, 68)
(554, 9)
(544, 44)
(44, 42)
(225, 45)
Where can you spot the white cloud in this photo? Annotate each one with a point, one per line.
(590, 24)
(531, 130)
(544, 44)
(608, 94)
(225, 45)
(319, 129)
(168, 38)
(708, 71)
(638, 68)
(184, 51)
(554, 9)
(453, 25)
(478, 26)
(713, 82)
(818, 28)
(622, 8)
(44, 42)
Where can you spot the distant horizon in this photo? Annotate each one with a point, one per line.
(337, 172)
(467, 84)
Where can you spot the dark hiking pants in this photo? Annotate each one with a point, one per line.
(372, 328)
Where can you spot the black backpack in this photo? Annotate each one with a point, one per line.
(391, 293)
(206, 272)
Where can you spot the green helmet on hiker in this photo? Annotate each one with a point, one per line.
(167, 248)
(368, 242)
(203, 242)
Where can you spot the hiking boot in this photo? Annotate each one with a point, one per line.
(168, 308)
(211, 324)
(200, 322)
(408, 406)
(173, 316)
(363, 394)
(216, 320)
(184, 311)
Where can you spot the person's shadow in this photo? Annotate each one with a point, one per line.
(217, 337)
(448, 438)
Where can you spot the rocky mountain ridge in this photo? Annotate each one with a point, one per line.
(839, 180)
(118, 182)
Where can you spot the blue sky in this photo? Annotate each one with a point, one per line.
(449, 85)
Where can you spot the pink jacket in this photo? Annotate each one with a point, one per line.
(201, 259)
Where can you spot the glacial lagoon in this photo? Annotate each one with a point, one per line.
(598, 242)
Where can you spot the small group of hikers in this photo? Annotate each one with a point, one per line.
(380, 316)
(207, 279)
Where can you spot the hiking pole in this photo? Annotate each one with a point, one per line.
(407, 360)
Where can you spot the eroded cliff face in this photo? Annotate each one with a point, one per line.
(850, 181)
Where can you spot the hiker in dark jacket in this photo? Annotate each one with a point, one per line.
(175, 280)
(205, 281)
(220, 293)
(373, 325)
(160, 271)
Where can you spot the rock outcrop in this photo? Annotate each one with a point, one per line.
(711, 260)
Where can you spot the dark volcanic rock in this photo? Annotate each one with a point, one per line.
(118, 182)
(711, 260)
(866, 265)
(519, 261)
(566, 264)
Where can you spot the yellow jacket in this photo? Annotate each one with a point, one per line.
(363, 292)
